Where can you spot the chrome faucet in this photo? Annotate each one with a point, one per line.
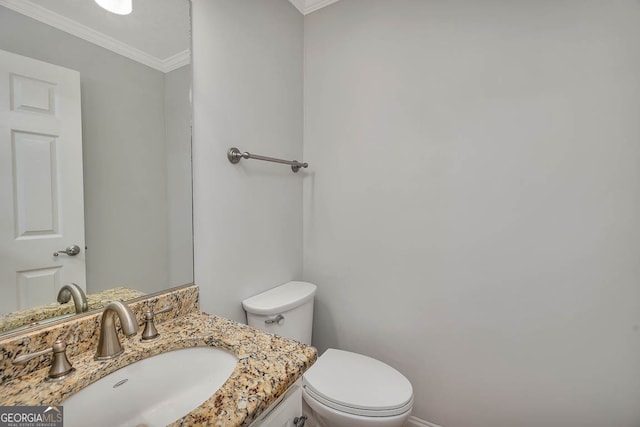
(109, 344)
(79, 298)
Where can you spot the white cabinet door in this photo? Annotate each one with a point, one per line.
(283, 413)
(41, 190)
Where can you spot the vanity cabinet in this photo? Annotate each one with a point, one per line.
(283, 413)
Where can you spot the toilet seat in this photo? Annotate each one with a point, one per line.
(358, 385)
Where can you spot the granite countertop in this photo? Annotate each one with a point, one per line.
(16, 319)
(267, 366)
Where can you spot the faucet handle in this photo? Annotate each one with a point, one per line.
(60, 365)
(164, 309)
(150, 332)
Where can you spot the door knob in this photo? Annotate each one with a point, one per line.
(72, 250)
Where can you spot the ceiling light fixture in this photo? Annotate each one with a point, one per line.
(121, 7)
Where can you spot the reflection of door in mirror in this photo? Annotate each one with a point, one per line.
(40, 181)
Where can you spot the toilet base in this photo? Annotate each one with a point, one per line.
(323, 416)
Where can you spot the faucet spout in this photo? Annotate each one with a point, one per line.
(79, 298)
(109, 344)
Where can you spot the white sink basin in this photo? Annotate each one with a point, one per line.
(151, 392)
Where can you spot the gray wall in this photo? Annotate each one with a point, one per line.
(177, 89)
(472, 216)
(247, 92)
(125, 158)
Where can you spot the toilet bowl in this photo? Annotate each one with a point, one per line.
(345, 389)
(342, 389)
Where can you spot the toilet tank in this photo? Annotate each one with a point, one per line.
(286, 310)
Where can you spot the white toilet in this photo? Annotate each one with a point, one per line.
(342, 389)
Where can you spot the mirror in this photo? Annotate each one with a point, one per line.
(135, 80)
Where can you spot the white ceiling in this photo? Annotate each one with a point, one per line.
(155, 34)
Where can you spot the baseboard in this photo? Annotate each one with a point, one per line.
(417, 422)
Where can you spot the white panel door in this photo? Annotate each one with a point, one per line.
(41, 191)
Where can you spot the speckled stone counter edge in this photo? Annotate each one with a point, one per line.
(267, 366)
(19, 318)
(81, 332)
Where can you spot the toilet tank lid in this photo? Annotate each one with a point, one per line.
(280, 299)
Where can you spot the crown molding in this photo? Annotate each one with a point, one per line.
(307, 6)
(39, 13)
(176, 61)
(299, 4)
(313, 5)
